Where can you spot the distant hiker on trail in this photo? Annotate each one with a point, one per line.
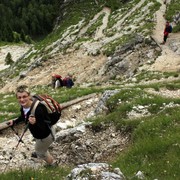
(56, 81)
(36, 123)
(68, 81)
(167, 30)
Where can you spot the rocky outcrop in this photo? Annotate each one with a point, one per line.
(77, 142)
(95, 171)
(176, 18)
(129, 57)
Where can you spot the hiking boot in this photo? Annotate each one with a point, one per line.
(34, 155)
(55, 164)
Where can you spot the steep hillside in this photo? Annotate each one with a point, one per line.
(115, 47)
(112, 45)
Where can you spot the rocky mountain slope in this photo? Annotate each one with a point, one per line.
(86, 60)
(90, 66)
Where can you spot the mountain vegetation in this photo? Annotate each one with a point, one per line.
(21, 19)
(145, 108)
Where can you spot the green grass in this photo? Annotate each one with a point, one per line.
(130, 98)
(155, 148)
(110, 48)
(9, 107)
(58, 173)
(91, 30)
(173, 85)
(154, 145)
(172, 9)
(65, 94)
(150, 75)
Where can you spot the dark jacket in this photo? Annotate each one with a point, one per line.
(68, 82)
(40, 129)
(166, 30)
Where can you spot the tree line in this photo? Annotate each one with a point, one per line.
(23, 20)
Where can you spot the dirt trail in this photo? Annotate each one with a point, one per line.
(99, 33)
(79, 60)
(169, 60)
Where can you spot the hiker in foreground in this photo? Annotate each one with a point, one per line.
(39, 128)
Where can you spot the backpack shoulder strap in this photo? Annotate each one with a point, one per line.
(34, 106)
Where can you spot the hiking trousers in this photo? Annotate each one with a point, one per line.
(42, 145)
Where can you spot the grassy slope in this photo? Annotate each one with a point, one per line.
(154, 147)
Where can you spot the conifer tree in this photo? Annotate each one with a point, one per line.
(8, 59)
(23, 36)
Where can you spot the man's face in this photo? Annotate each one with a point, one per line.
(24, 99)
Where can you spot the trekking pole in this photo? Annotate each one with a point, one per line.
(14, 149)
(17, 135)
(20, 138)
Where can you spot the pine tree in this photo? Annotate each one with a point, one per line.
(23, 36)
(8, 59)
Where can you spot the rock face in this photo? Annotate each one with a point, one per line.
(84, 144)
(128, 58)
(95, 171)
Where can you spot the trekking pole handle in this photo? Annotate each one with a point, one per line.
(9, 123)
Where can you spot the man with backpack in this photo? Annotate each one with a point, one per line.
(167, 30)
(37, 123)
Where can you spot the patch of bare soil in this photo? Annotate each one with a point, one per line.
(83, 67)
(15, 51)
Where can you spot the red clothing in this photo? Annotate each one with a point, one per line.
(166, 30)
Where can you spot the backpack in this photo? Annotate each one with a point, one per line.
(170, 29)
(68, 82)
(52, 106)
(64, 82)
